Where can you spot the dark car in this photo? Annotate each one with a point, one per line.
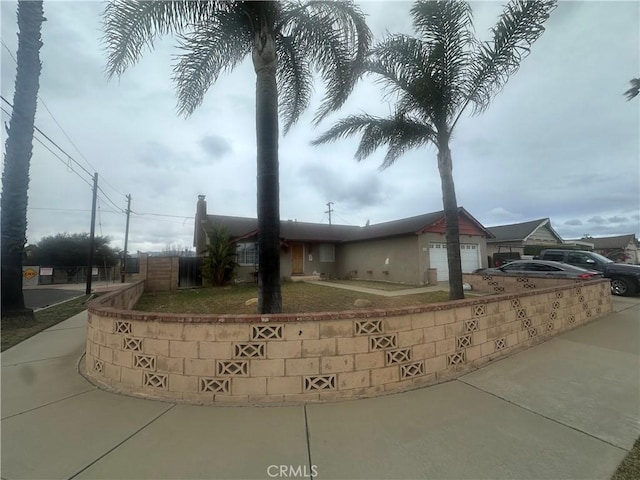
(625, 279)
(541, 267)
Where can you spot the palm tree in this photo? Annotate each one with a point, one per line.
(634, 90)
(435, 78)
(19, 146)
(287, 41)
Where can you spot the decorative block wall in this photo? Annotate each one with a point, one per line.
(274, 359)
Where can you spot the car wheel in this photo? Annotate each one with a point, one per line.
(622, 287)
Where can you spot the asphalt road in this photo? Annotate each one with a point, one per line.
(43, 297)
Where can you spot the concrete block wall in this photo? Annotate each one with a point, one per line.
(276, 359)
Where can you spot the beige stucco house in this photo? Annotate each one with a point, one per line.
(621, 248)
(401, 251)
(516, 237)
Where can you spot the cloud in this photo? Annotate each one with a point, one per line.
(215, 146)
(618, 219)
(598, 220)
(574, 223)
(356, 190)
(501, 214)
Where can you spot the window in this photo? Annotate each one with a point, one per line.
(515, 267)
(556, 257)
(247, 253)
(327, 252)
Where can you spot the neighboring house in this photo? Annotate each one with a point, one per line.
(516, 237)
(622, 248)
(399, 251)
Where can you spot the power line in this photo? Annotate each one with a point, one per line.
(69, 157)
(60, 126)
(54, 143)
(162, 215)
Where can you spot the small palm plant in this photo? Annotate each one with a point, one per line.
(287, 42)
(435, 77)
(220, 262)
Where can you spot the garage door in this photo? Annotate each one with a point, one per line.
(438, 258)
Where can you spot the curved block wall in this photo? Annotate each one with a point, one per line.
(275, 359)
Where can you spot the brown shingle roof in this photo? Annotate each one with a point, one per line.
(606, 243)
(241, 227)
(518, 231)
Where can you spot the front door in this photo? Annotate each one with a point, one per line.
(297, 259)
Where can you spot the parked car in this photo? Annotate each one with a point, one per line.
(625, 279)
(541, 267)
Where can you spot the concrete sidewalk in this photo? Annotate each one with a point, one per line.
(568, 408)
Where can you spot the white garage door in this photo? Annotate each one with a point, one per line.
(438, 258)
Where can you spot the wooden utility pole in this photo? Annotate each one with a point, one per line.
(123, 270)
(329, 211)
(92, 234)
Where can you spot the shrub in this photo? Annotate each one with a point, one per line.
(220, 263)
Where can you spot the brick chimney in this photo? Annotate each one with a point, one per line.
(199, 235)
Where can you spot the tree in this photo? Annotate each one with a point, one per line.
(19, 147)
(287, 41)
(70, 250)
(435, 78)
(220, 262)
(634, 90)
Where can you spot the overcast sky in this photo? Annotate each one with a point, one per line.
(561, 140)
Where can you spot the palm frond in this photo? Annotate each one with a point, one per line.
(446, 28)
(334, 38)
(634, 90)
(214, 46)
(404, 67)
(519, 26)
(295, 81)
(131, 25)
(399, 132)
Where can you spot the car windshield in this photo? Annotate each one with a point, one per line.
(601, 258)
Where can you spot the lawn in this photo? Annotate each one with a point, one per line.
(297, 297)
(14, 332)
(629, 469)
(385, 286)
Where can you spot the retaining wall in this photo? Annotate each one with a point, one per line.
(275, 359)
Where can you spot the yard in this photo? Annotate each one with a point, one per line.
(297, 297)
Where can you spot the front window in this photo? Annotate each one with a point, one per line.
(327, 252)
(247, 253)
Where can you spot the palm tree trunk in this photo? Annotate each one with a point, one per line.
(19, 146)
(450, 204)
(264, 61)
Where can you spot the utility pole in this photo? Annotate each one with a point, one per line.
(92, 234)
(123, 270)
(329, 211)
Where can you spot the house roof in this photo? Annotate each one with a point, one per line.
(605, 243)
(519, 232)
(241, 227)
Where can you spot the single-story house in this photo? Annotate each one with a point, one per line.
(621, 248)
(402, 251)
(522, 238)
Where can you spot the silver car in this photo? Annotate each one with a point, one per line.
(541, 267)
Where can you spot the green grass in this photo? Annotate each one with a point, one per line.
(297, 297)
(15, 331)
(629, 469)
(385, 286)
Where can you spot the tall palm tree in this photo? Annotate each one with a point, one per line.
(287, 41)
(19, 146)
(435, 78)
